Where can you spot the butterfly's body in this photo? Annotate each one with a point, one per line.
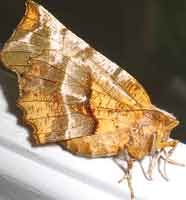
(73, 95)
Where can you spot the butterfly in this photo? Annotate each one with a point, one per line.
(72, 95)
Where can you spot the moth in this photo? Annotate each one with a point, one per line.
(72, 95)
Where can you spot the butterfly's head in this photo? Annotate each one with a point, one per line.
(149, 132)
(167, 122)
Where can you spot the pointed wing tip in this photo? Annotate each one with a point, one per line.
(31, 16)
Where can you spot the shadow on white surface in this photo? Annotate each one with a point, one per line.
(12, 189)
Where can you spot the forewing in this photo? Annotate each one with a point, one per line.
(56, 71)
(120, 81)
(53, 89)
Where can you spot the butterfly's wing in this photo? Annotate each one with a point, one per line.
(53, 89)
(119, 126)
(133, 90)
(114, 122)
(56, 71)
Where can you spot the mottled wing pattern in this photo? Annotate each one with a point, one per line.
(53, 89)
(73, 95)
(67, 88)
(135, 92)
(112, 131)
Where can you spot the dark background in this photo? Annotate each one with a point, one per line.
(146, 37)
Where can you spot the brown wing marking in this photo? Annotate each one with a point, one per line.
(114, 121)
(121, 78)
(53, 90)
(54, 103)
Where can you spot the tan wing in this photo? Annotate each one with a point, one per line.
(119, 127)
(133, 92)
(53, 89)
(55, 69)
(115, 121)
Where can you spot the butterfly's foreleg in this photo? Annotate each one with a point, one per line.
(168, 154)
(165, 156)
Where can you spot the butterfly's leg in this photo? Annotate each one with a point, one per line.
(154, 159)
(129, 178)
(165, 157)
(144, 172)
(173, 162)
(124, 176)
(164, 172)
(127, 173)
(154, 156)
(168, 154)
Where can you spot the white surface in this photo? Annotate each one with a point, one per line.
(47, 173)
